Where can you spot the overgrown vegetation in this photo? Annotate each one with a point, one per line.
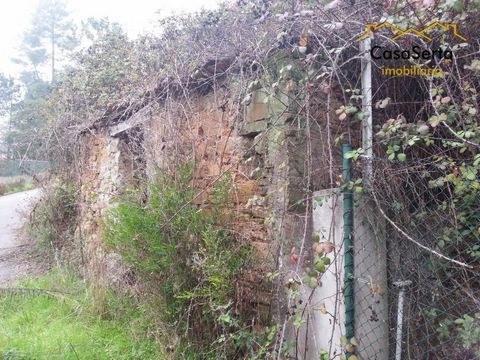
(426, 178)
(186, 253)
(11, 185)
(61, 323)
(53, 219)
(426, 146)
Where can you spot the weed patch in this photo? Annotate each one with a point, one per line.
(53, 218)
(64, 326)
(185, 253)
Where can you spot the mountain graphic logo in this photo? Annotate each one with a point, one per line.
(398, 32)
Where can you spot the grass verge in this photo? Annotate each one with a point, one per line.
(65, 326)
(11, 185)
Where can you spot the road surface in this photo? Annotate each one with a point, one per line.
(14, 211)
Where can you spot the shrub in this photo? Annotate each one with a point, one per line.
(52, 220)
(183, 251)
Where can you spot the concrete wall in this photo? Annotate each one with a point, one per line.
(324, 330)
(371, 300)
(326, 310)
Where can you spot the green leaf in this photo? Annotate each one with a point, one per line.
(402, 157)
(458, 6)
(470, 173)
(434, 121)
(361, 115)
(298, 322)
(320, 267)
(351, 110)
(349, 155)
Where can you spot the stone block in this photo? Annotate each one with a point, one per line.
(244, 191)
(256, 111)
(261, 143)
(254, 128)
(260, 97)
(208, 169)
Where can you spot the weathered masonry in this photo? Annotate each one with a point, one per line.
(261, 142)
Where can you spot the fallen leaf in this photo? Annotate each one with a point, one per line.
(382, 104)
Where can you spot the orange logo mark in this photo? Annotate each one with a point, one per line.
(398, 33)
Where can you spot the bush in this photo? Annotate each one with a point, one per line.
(183, 251)
(52, 221)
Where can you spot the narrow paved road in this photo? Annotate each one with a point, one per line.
(14, 211)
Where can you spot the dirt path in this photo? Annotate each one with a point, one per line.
(14, 210)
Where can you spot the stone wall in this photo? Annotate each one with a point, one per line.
(100, 179)
(256, 147)
(261, 146)
(253, 148)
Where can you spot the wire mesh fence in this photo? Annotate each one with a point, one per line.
(18, 167)
(416, 263)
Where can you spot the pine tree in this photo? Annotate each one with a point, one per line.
(51, 34)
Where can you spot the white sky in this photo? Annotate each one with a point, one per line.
(137, 16)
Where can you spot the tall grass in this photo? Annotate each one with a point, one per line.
(65, 325)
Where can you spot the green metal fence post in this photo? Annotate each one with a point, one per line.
(348, 247)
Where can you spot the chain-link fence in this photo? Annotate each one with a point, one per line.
(18, 167)
(416, 263)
